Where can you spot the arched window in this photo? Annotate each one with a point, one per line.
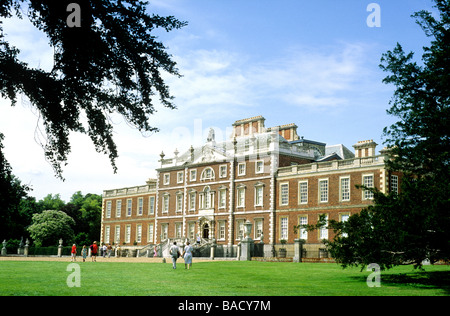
(207, 174)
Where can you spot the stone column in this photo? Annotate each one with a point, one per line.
(246, 243)
(213, 248)
(298, 250)
(238, 256)
(246, 250)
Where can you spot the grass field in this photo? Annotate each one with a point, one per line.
(220, 278)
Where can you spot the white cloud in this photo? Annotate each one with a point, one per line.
(218, 86)
(225, 81)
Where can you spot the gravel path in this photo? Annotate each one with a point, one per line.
(101, 259)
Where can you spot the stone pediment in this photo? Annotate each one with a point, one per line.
(209, 153)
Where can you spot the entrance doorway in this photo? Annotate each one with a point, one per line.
(205, 231)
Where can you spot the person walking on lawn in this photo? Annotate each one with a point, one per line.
(94, 250)
(175, 253)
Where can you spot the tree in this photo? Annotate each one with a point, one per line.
(51, 202)
(111, 63)
(49, 226)
(77, 199)
(420, 140)
(414, 225)
(396, 230)
(86, 210)
(12, 195)
(91, 210)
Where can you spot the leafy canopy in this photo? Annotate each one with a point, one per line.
(13, 199)
(49, 226)
(112, 63)
(420, 140)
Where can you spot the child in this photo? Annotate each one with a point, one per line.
(84, 253)
(73, 253)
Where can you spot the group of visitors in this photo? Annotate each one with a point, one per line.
(106, 250)
(174, 251)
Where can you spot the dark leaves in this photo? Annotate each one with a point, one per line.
(112, 63)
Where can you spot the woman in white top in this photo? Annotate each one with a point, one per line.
(187, 255)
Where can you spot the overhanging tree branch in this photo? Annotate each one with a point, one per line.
(111, 64)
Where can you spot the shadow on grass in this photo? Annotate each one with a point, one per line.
(419, 279)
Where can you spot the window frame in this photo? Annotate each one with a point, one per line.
(222, 234)
(284, 197)
(302, 232)
(258, 231)
(256, 166)
(223, 171)
(108, 209)
(118, 208)
(128, 234)
(222, 198)
(259, 195)
(366, 194)
(322, 190)
(341, 219)
(107, 234)
(150, 232)
(192, 200)
(240, 230)
(140, 206)
(117, 234)
(204, 176)
(343, 190)
(166, 178)
(129, 207)
(300, 193)
(179, 202)
(151, 205)
(180, 177)
(240, 196)
(244, 169)
(138, 233)
(165, 206)
(393, 180)
(284, 228)
(193, 175)
(323, 231)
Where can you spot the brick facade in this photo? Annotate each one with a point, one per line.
(257, 175)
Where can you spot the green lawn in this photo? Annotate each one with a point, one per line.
(216, 279)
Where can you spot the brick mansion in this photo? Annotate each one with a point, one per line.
(269, 176)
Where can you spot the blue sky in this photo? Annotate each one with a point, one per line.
(313, 63)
